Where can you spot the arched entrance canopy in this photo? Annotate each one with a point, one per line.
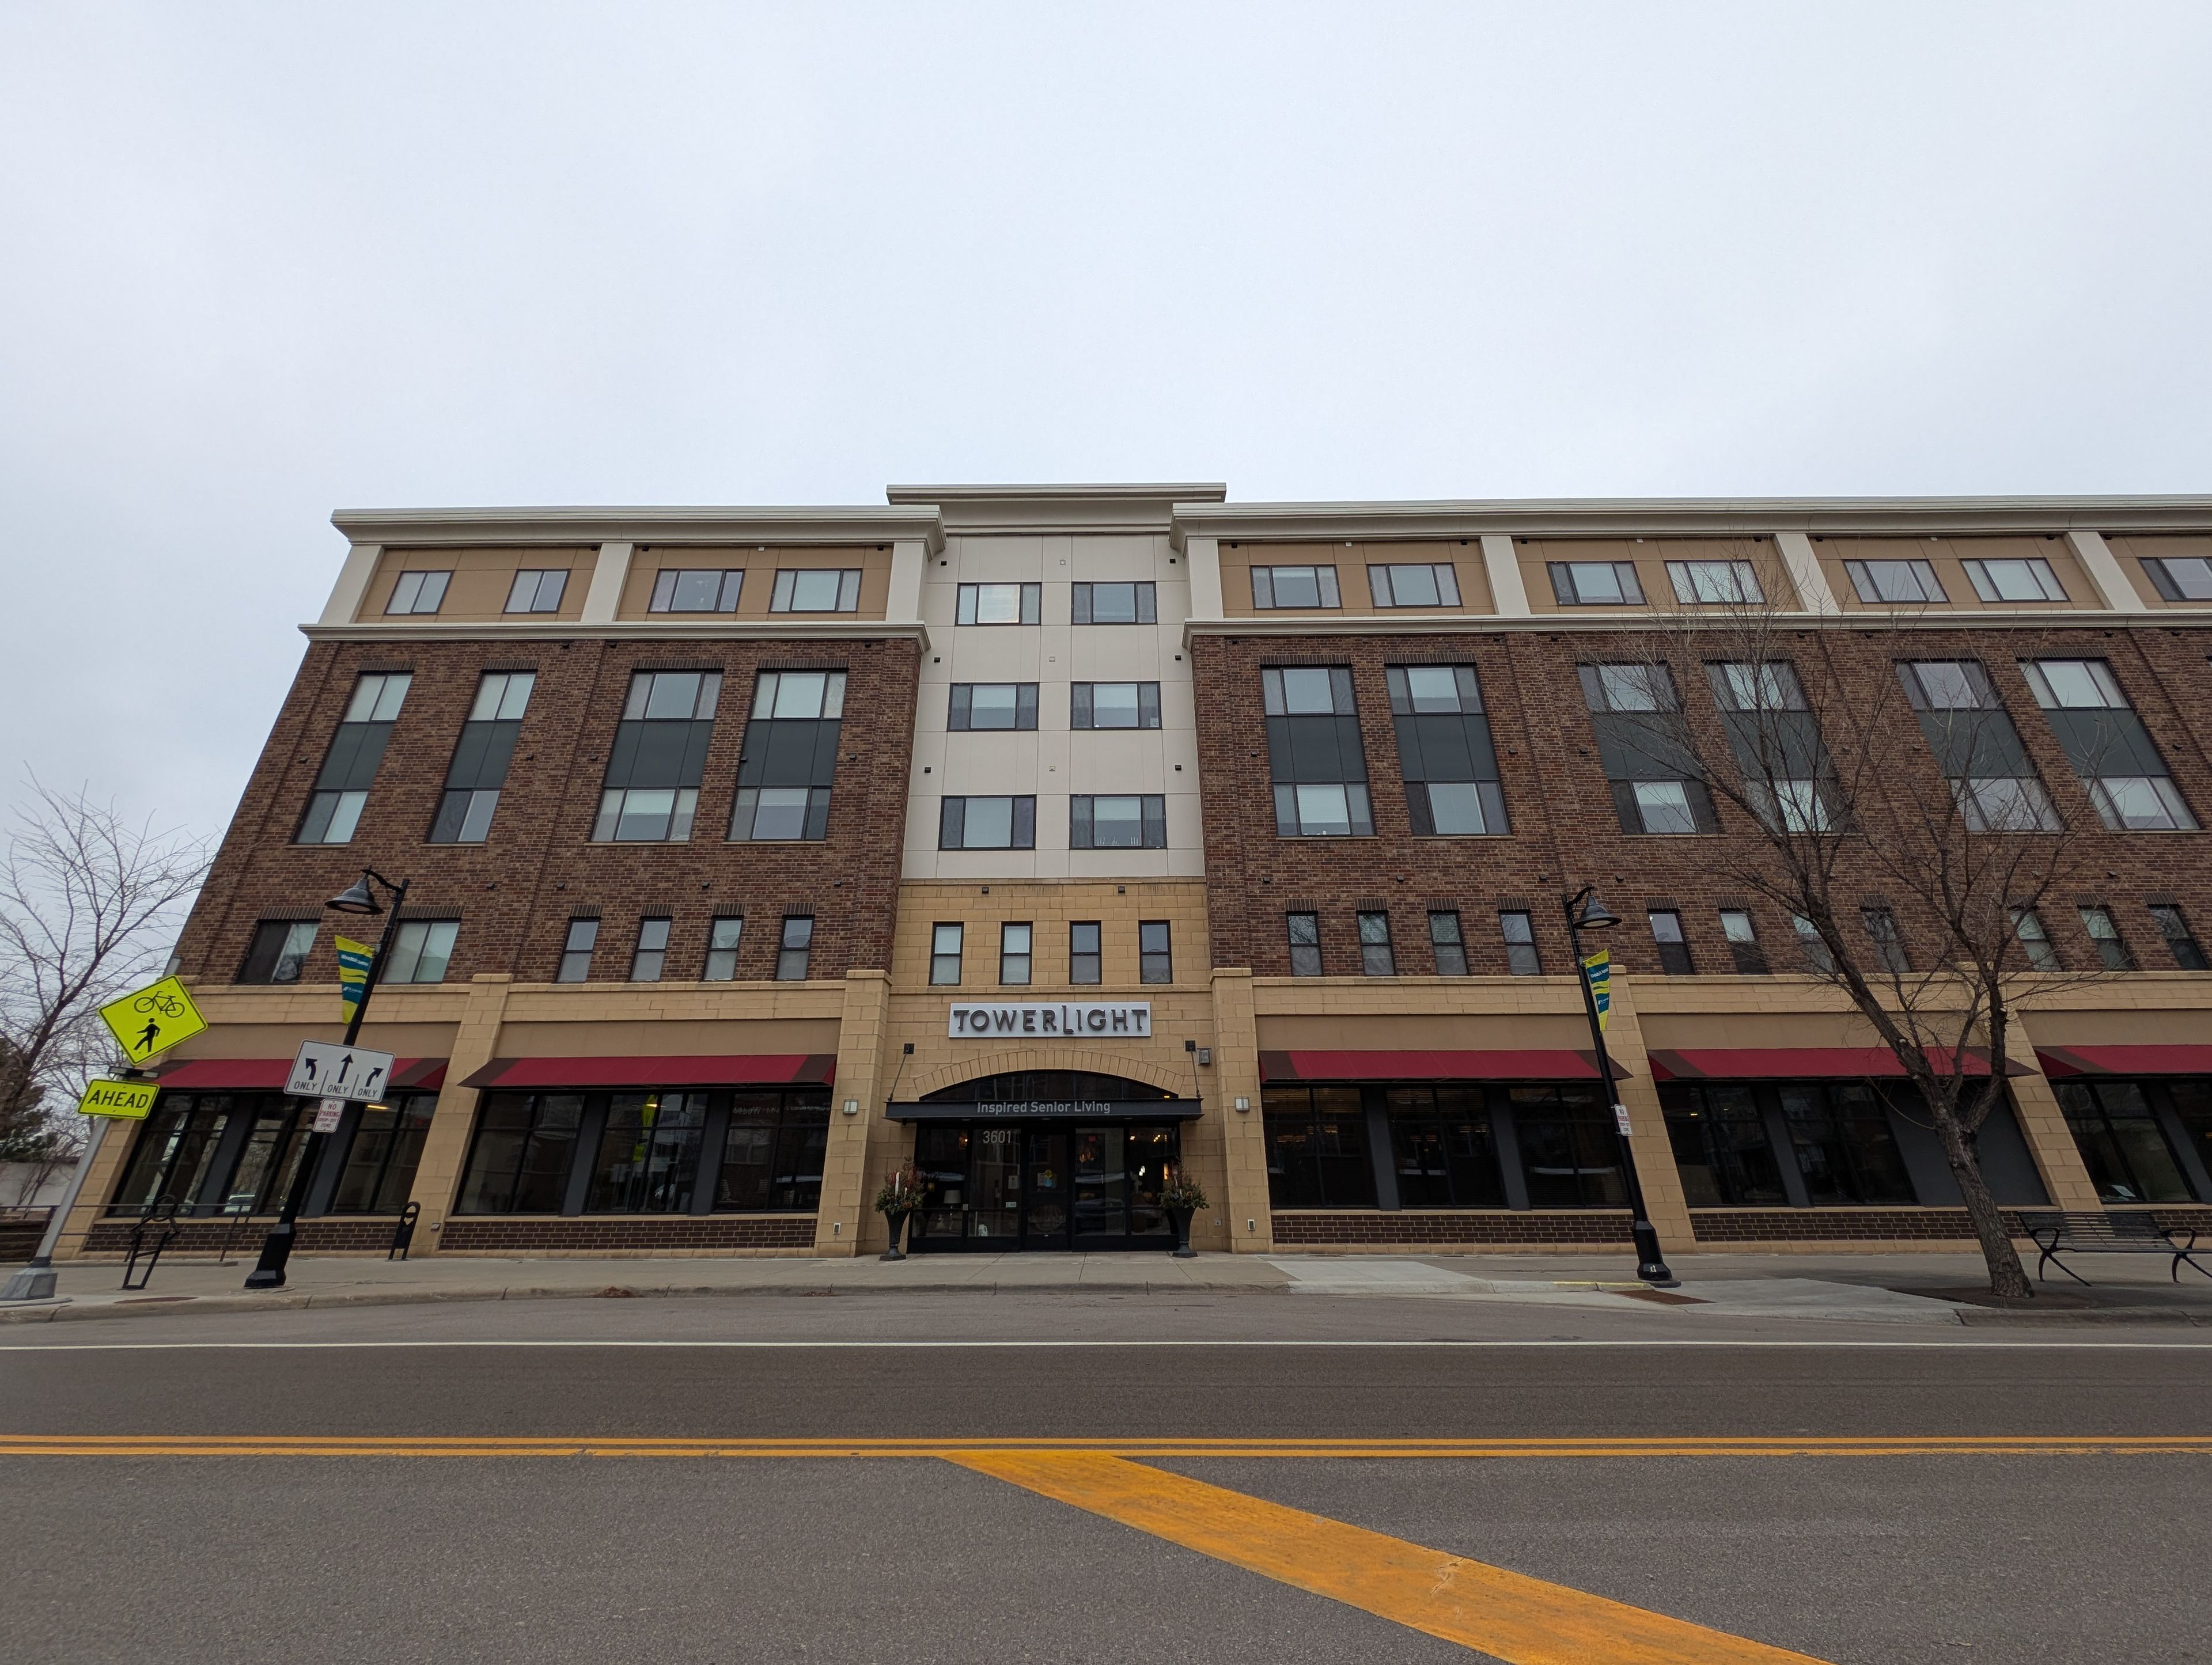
(1048, 1096)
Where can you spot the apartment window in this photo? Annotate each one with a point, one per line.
(2111, 947)
(988, 705)
(790, 757)
(1445, 752)
(1666, 937)
(1976, 745)
(1293, 586)
(576, 951)
(1812, 944)
(987, 823)
(1014, 954)
(1743, 938)
(2180, 940)
(815, 590)
(696, 590)
(1418, 586)
(1519, 930)
(1895, 581)
(1086, 963)
(349, 767)
(1445, 941)
(421, 950)
(2034, 941)
(278, 952)
(1376, 957)
(2185, 578)
(534, 591)
(652, 787)
(1315, 756)
(1889, 942)
(1120, 822)
(1699, 583)
(723, 936)
(2110, 749)
(999, 603)
(1155, 959)
(794, 948)
(2014, 581)
(1113, 604)
(645, 964)
(1776, 742)
(1305, 944)
(1643, 748)
(478, 771)
(1113, 705)
(1596, 584)
(945, 954)
(418, 592)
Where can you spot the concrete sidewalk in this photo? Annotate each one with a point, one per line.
(1916, 1289)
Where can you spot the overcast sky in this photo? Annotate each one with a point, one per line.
(258, 263)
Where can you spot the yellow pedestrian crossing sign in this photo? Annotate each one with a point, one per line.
(154, 1019)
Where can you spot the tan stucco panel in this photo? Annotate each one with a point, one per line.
(1650, 556)
(1945, 554)
(650, 1038)
(481, 580)
(1676, 1031)
(760, 567)
(1352, 562)
(1423, 1032)
(2131, 551)
(282, 1039)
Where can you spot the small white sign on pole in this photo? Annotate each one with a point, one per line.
(328, 1113)
(325, 1069)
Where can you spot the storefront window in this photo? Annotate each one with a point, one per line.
(1318, 1155)
(1445, 1150)
(2121, 1142)
(1569, 1149)
(270, 1160)
(174, 1147)
(1721, 1147)
(1846, 1147)
(380, 1164)
(648, 1153)
(772, 1156)
(518, 1163)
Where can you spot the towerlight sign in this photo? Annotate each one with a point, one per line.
(1067, 1019)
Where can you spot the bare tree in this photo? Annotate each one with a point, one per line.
(88, 904)
(1887, 804)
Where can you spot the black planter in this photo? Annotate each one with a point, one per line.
(1182, 1250)
(897, 1219)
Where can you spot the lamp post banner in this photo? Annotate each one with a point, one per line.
(353, 961)
(1598, 967)
(1062, 1019)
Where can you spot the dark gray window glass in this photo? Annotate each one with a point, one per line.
(2104, 936)
(1569, 1149)
(1776, 743)
(1014, 957)
(1112, 603)
(1450, 946)
(2187, 578)
(2128, 1157)
(999, 603)
(1743, 943)
(945, 954)
(1657, 781)
(652, 954)
(648, 1156)
(349, 767)
(421, 950)
(1519, 934)
(652, 788)
(1085, 961)
(576, 950)
(988, 705)
(1113, 705)
(794, 948)
(1315, 756)
(1888, 941)
(2035, 940)
(696, 590)
(1294, 587)
(789, 762)
(2110, 749)
(2182, 942)
(1155, 952)
(1846, 1147)
(1444, 1148)
(723, 937)
(1812, 944)
(1666, 937)
(1723, 1148)
(481, 757)
(1134, 821)
(1376, 956)
(278, 953)
(1976, 745)
(987, 823)
(521, 1154)
(1317, 1152)
(771, 1161)
(1305, 944)
(1445, 750)
(378, 1170)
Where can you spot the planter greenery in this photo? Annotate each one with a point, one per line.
(898, 1197)
(1181, 1196)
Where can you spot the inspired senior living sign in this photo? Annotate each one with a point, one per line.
(1062, 1019)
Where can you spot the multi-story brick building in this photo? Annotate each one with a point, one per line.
(1046, 835)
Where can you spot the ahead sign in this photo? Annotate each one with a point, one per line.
(325, 1069)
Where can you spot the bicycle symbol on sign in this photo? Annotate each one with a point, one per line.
(168, 1005)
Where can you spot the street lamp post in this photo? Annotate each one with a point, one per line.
(1586, 912)
(276, 1247)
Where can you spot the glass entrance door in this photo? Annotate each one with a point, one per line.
(1045, 1214)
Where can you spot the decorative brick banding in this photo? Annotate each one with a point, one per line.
(206, 1236)
(1318, 1229)
(736, 1231)
(1719, 1226)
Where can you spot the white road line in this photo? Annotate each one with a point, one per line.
(883, 1346)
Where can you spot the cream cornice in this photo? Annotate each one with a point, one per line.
(1136, 507)
(466, 527)
(1685, 516)
(1613, 623)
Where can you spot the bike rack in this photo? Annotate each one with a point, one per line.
(402, 1233)
(162, 1214)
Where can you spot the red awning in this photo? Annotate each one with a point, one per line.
(2126, 1060)
(758, 1069)
(1803, 1064)
(1534, 1064)
(268, 1074)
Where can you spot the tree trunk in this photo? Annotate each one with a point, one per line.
(2007, 1276)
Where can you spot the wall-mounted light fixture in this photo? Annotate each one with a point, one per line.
(1206, 1055)
(1243, 1106)
(852, 1107)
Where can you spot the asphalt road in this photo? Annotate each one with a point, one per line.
(1906, 1558)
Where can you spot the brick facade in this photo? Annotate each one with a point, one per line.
(1316, 1229)
(601, 1233)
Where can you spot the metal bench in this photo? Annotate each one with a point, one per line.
(2087, 1232)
